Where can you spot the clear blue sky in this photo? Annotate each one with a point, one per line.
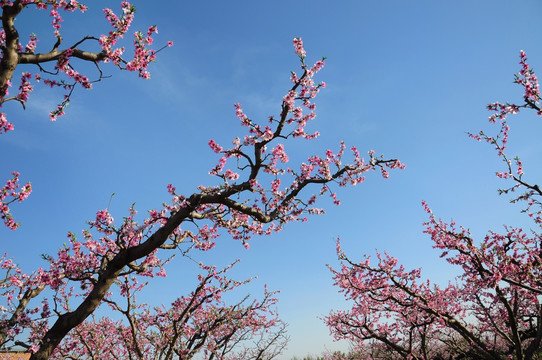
(405, 78)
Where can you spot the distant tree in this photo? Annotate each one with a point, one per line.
(490, 311)
(45, 311)
(198, 323)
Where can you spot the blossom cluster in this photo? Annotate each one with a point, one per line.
(10, 193)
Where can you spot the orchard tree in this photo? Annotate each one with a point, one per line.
(198, 323)
(491, 311)
(255, 192)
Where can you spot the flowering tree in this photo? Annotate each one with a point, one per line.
(62, 73)
(255, 193)
(491, 311)
(200, 322)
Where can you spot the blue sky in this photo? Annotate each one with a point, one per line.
(407, 79)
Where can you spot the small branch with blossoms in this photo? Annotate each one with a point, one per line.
(514, 167)
(14, 53)
(12, 192)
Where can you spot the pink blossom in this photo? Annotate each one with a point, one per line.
(214, 146)
(298, 45)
